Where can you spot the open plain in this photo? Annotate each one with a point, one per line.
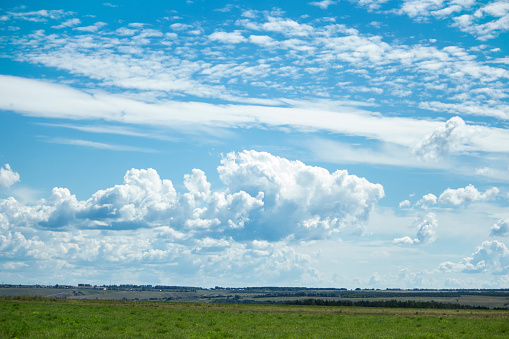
(57, 318)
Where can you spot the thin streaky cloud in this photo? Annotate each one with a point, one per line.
(120, 130)
(99, 145)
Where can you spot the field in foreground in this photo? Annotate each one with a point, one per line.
(50, 318)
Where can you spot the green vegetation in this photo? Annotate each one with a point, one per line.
(35, 317)
(384, 303)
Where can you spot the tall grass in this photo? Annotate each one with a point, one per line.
(47, 318)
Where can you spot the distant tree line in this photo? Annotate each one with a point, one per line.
(425, 294)
(383, 294)
(385, 304)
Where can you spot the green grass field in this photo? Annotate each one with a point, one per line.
(50, 318)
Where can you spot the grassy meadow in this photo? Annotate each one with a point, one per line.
(29, 317)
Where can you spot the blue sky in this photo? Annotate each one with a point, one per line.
(352, 143)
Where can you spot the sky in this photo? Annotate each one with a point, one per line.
(352, 143)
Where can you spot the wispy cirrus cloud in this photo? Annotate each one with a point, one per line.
(111, 129)
(99, 145)
(54, 101)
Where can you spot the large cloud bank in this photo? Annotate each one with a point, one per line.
(268, 201)
(267, 198)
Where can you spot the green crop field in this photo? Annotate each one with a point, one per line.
(29, 317)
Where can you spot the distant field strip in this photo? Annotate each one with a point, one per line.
(24, 317)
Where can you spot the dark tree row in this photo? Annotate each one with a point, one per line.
(384, 303)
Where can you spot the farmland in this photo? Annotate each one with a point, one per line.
(37, 317)
(264, 295)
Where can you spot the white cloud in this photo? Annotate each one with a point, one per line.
(134, 64)
(406, 240)
(56, 100)
(288, 27)
(227, 37)
(404, 203)
(99, 145)
(180, 26)
(485, 21)
(319, 202)
(446, 139)
(13, 265)
(243, 231)
(387, 154)
(500, 228)
(324, 4)
(7, 176)
(426, 231)
(496, 110)
(59, 101)
(92, 28)
(420, 8)
(39, 16)
(267, 197)
(169, 255)
(467, 194)
(113, 129)
(496, 9)
(264, 40)
(490, 28)
(491, 257)
(68, 23)
(427, 200)
(125, 31)
(371, 4)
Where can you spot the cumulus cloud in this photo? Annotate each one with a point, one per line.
(486, 22)
(39, 16)
(448, 138)
(500, 228)
(467, 194)
(263, 40)
(426, 231)
(312, 199)
(244, 230)
(68, 23)
(371, 4)
(406, 240)
(324, 4)
(7, 176)
(491, 257)
(267, 197)
(92, 28)
(404, 203)
(231, 37)
(201, 261)
(427, 200)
